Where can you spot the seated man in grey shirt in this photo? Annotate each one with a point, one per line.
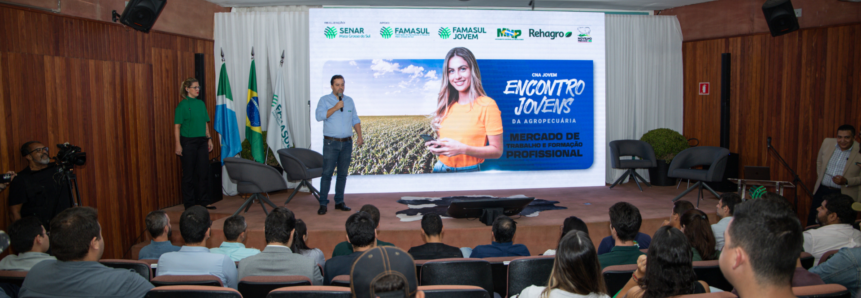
(78, 244)
(277, 258)
(29, 239)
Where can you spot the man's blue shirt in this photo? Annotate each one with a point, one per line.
(340, 124)
(496, 249)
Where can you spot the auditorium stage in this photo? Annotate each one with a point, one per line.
(539, 233)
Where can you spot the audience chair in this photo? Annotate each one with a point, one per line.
(12, 277)
(186, 280)
(822, 291)
(311, 292)
(301, 164)
(256, 179)
(192, 292)
(806, 260)
(709, 295)
(643, 150)
(827, 255)
(713, 157)
(152, 263)
(444, 291)
(616, 276)
(260, 286)
(499, 272)
(526, 271)
(709, 271)
(458, 271)
(139, 267)
(341, 281)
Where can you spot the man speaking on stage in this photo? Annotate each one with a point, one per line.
(338, 113)
(836, 169)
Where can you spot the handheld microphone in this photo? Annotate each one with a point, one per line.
(340, 95)
(768, 142)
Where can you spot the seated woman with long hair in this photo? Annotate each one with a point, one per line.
(666, 270)
(300, 246)
(696, 227)
(570, 223)
(576, 272)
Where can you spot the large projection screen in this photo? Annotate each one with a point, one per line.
(522, 98)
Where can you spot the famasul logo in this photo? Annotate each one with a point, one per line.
(386, 32)
(507, 34)
(444, 32)
(331, 32)
(584, 34)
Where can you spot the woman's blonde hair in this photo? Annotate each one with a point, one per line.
(447, 94)
(186, 84)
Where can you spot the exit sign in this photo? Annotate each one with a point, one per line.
(705, 88)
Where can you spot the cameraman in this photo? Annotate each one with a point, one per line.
(37, 190)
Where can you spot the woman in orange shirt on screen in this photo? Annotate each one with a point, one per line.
(468, 123)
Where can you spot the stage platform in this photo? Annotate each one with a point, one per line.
(539, 233)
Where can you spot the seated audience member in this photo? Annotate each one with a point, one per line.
(570, 223)
(277, 258)
(695, 226)
(432, 235)
(842, 268)
(679, 208)
(502, 241)
(836, 217)
(625, 221)
(234, 232)
(158, 225)
(725, 207)
(77, 242)
(385, 272)
(30, 241)
(362, 236)
(194, 258)
(642, 240)
(667, 270)
(344, 248)
(300, 245)
(762, 245)
(576, 271)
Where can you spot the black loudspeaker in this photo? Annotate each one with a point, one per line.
(141, 14)
(780, 17)
(215, 193)
(200, 74)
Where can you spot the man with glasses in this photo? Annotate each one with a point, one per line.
(36, 191)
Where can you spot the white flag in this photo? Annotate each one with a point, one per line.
(278, 133)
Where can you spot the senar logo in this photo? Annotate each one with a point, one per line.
(444, 32)
(386, 32)
(330, 32)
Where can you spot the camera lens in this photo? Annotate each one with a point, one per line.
(5, 178)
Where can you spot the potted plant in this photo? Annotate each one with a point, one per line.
(666, 143)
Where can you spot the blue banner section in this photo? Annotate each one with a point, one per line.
(547, 113)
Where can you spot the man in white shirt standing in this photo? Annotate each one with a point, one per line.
(725, 207)
(836, 216)
(836, 170)
(194, 258)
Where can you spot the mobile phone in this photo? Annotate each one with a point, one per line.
(427, 138)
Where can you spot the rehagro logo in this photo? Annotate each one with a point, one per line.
(549, 34)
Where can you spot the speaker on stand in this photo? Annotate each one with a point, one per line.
(780, 17)
(140, 14)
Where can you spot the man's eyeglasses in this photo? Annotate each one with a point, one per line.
(45, 149)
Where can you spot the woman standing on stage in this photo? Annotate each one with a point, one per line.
(468, 123)
(193, 144)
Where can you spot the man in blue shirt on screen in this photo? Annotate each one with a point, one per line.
(338, 113)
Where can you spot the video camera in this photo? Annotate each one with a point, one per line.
(69, 156)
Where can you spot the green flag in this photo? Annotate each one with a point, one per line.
(252, 118)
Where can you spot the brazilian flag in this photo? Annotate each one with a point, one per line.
(252, 118)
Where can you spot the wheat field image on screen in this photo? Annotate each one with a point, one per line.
(393, 146)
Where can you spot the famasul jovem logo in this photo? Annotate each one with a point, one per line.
(444, 32)
(386, 32)
(331, 32)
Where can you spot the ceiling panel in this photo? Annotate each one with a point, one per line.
(539, 4)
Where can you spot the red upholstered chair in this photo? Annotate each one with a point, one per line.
(709, 295)
(192, 292)
(140, 267)
(186, 280)
(527, 271)
(444, 291)
(822, 291)
(709, 271)
(12, 277)
(616, 276)
(458, 271)
(341, 281)
(311, 292)
(806, 260)
(260, 286)
(827, 255)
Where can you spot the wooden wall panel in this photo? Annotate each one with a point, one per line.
(796, 88)
(111, 91)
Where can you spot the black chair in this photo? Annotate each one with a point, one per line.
(709, 271)
(643, 150)
(186, 280)
(822, 291)
(806, 260)
(301, 164)
(453, 292)
(713, 157)
(192, 292)
(499, 272)
(341, 281)
(138, 267)
(458, 271)
(260, 286)
(254, 178)
(616, 276)
(526, 271)
(13, 277)
(311, 292)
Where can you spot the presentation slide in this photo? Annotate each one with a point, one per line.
(464, 99)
